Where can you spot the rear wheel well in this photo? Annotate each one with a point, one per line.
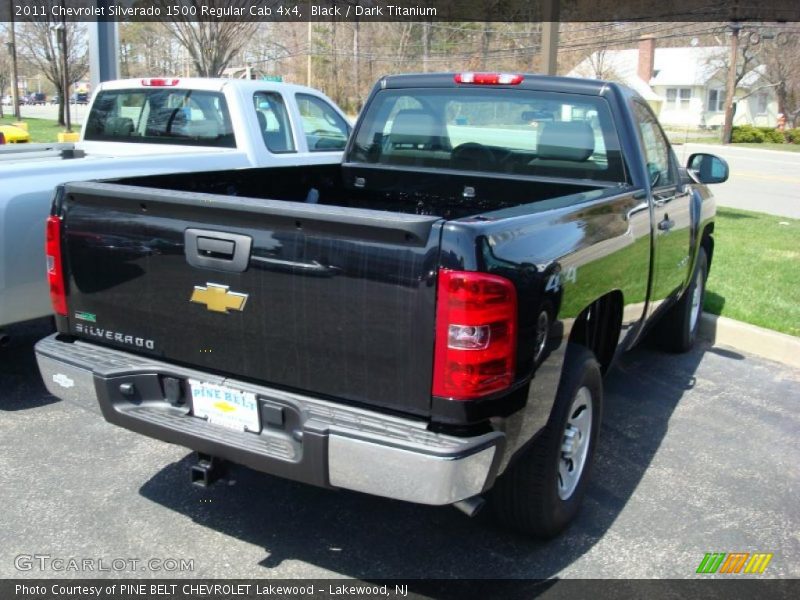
(707, 242)
(598, 328)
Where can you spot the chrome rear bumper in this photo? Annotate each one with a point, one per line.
(315, 441)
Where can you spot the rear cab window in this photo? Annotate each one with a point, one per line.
(520, 132)
(161, 116)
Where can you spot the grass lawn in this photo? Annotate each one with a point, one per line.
(755, 275)
(41, 130)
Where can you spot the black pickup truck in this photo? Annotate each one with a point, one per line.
(428, 321)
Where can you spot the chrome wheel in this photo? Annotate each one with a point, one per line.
(697, 299)
(542, 329)
(575, 443)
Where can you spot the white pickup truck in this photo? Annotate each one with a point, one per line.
(152, 126)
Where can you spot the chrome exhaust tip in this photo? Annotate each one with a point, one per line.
(470, 506)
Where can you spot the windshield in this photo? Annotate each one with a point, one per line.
(161, 116)
(493, 130)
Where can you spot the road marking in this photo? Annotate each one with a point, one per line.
(754, 175)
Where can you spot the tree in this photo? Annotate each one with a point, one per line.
(781, 57)
(148, 50)
(212, 45)
(38, 47)
(5, 70)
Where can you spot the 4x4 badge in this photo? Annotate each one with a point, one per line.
(218, 298)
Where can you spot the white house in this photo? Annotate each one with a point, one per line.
(685, 86)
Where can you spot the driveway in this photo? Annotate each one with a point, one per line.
(698, 453)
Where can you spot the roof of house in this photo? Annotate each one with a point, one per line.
(688, 66)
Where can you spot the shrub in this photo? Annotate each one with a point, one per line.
(772, 135)
(747, 134)
(793, 135)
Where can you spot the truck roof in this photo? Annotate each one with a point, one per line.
(530, 81)
(205, 83)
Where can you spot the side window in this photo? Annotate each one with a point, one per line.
(325, 130)
(273, 122)
(656, 148)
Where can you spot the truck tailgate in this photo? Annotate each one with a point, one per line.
(337, 302)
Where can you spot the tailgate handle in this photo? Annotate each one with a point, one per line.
(210, 246)
(207, 249)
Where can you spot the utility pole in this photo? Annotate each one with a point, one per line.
(356, 65)
(12, 48)
(727, 128)
(426, 45)
(308, 63)
(549, 44)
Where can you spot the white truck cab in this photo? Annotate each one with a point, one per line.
(151, 126)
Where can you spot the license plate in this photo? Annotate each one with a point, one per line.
(225, 406)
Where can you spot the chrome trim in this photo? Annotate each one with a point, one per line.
(404, 474)
(70, 383)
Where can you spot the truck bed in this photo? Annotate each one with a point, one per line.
(340, 281)
(448, 194)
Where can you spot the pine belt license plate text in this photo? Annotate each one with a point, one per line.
(225, 406)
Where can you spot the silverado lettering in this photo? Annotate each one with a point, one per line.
(114, 336)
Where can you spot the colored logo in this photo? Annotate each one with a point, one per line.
(218, 298)
(732, 563)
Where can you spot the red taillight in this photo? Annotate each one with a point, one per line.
(476, 335)
(55, 274)
(489, 78)
(160, 82)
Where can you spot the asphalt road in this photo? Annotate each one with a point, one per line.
(698, 453)
(761, 180)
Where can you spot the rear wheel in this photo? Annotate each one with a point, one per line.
(541, 492)
(678, 329)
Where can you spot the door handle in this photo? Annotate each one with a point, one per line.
(208, 249)
(666, 224)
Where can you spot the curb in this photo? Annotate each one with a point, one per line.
(762, 342)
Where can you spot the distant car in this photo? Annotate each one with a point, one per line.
(80, 98)
(55, 99)
(14, 135)
(7, 100)
(39, 98)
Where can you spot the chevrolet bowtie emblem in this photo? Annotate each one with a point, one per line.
(217, 298)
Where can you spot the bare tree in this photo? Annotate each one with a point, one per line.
(5, 69)
(212, 45)
(781, 57)
(147, 49)
(38, 47)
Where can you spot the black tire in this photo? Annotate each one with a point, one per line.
(529, 497)
(677, 331)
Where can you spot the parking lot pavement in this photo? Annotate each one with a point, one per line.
(698, 453)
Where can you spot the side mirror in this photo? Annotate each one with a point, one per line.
(708, 168)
